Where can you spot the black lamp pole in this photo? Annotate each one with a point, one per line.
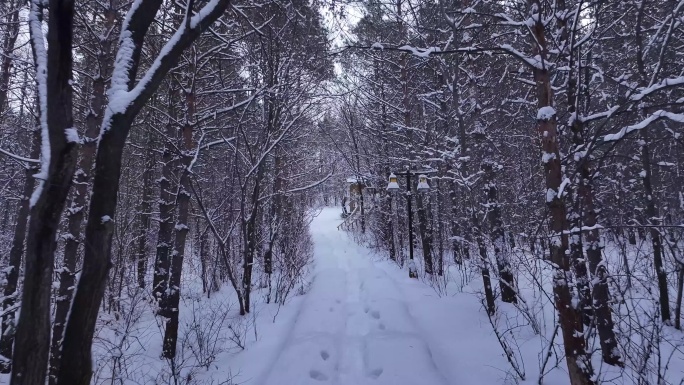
(410, 215)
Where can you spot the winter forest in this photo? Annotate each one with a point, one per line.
(286, 192)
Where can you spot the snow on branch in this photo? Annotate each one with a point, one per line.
(19, 157)
(546, 113)
(177, 44)
(423, 52)
(508, 21)
(317, 183)
(644, 123)
(561, 189)
(419, 52)
(599, 115)
(123, 101)
(534, 62)
(216, 142)
(314, 184)
(664, 84)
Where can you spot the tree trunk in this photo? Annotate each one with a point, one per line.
(652, 216)
(600, 303)
(250, 240)
(680, 294)
(276, 211)
(31, 350)
(78, 336)
(577, 358)
(145, 216)
(162, 262)
(506, 280)
(460, 247)
(97, 258)
(576, 214)
(201, 244)
(76, 211)
(15, 254)
(182, 224)
(601, 291)
(486, 277)
(440, 233)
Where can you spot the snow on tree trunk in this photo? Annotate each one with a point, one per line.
(59, 156)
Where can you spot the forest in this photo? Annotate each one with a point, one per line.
(165, 164)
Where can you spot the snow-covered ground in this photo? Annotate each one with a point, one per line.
(360, 321)
(363, 321)
(356, 325)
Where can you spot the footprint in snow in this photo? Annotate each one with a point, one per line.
(325, 355)
(316, 375)
(381, 326)
(375, 314)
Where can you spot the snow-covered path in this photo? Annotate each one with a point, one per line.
(354, 327)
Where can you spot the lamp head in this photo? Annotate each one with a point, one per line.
(422, 183)
(392, 185)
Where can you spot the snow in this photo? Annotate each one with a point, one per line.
(72, 135)
(665, 83)
(550, 195)
(120, 98)
(361, 320)
(601, 115)
(534, 62)
(40, 53)
(562, 187)
(202, 13)
(365, 322)
(547, 157)
(19, 157)
(419, 52)
(679, 118)
(546, 113)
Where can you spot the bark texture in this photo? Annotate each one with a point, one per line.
(32, 342)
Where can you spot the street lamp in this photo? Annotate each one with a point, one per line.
(393, 185)
(422, 186)
(422, 183)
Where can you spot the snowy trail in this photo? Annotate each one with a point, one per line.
(354, 327)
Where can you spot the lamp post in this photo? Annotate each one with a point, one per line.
(393, 185)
